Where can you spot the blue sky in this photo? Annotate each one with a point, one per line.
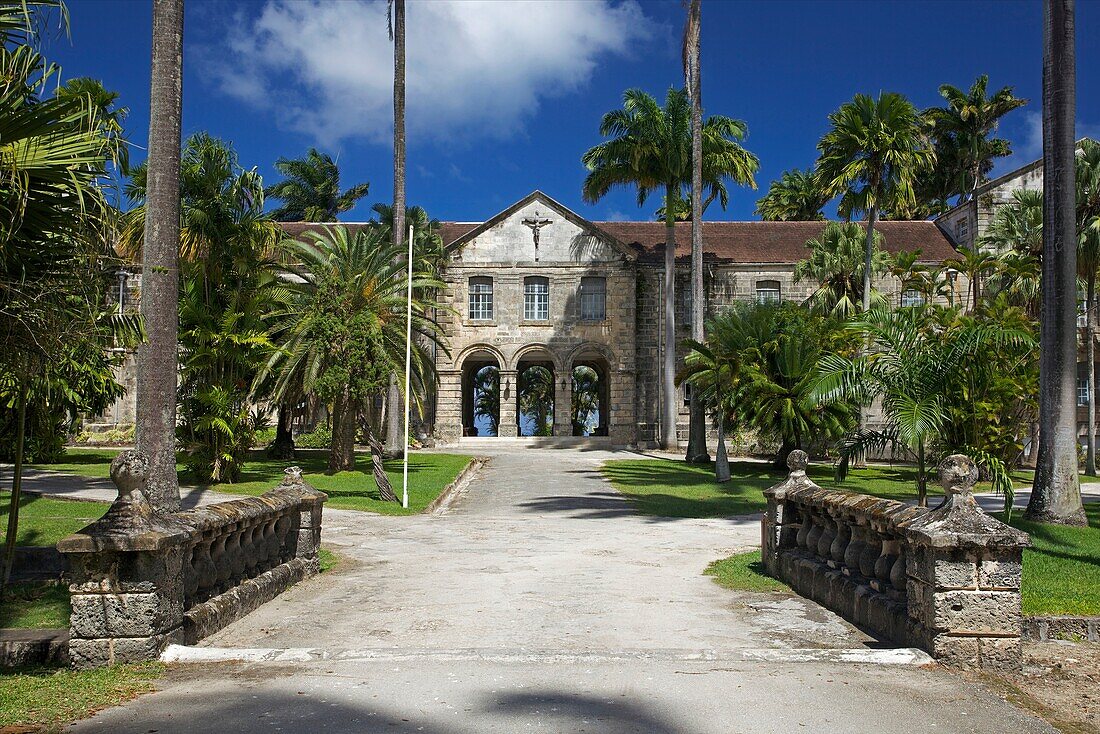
(505, 97)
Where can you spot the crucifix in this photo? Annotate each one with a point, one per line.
(536, 224)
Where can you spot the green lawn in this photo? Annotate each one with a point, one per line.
(1062, 568)
(351, 490)
(673, 488)
(35, 606)
(44, 521)
(48, 699)
(744, 572)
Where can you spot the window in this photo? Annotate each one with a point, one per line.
(1082, 391)
(481, 298)
(593, 297)
(767, 291)
(536, 299)
(1082, 312)
(962, 230)
(684, 302)
(911, 297)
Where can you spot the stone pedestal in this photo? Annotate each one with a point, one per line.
(509, 391)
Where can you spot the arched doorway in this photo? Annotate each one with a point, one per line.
(480, 395)
(590, 409)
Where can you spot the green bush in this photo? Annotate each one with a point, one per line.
(263, 437)
(318, 438)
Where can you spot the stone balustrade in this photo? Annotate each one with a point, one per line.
(946, 580)
(140, 581)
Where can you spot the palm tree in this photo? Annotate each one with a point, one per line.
(874, 153)
(585, 399)
(396, 11)
(158, 357)
(712, 372)
(909, 365)
(536, 398)
(1088, 262)
(1017, 227)
(836, 262)
(429, 251)
(108, 114)
(965, 127)
(650, 149)
(1056, 495)
(487, 396)
(977, 264)
(344, 333)
(697, 422)
(310, 191)
(796, 196)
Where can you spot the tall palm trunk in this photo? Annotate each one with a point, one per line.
(872, 218)
(395, 441)
(158, 360)
(283, 445)
(16, 490)
(697, 424)
(1090, 355)
(669, 412)
(1056, 495)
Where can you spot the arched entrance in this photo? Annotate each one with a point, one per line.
(535, 391)
(481, 395)
(590, 395)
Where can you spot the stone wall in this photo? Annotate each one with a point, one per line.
(140, 581)
(946, 580)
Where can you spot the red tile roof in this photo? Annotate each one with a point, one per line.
(737, 242)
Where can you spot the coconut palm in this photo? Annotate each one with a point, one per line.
(1018, 226)
(873, 154)
(836, 262)
(796, 196)
(711, 371)
(1056, 495)
(977, 264)
(966, 127)
(344, 332)
(310, 191)
(650, 150)
(429, 251)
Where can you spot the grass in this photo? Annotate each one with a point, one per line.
(350, 490)
(1062, 568)
(44, 521)
(744, 572)
(35, 606)
(50, 698)
(327, 559)
(672, 488)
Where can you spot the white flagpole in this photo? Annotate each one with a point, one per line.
(408, 368)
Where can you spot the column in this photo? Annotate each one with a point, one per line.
(509, 426)
(563, 404)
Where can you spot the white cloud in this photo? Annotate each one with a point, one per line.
(474, 68)
(1031, 147)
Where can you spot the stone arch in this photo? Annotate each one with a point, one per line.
(597, 358)
(536, 351)
(471, 363)
(590, 349)
(474, 349)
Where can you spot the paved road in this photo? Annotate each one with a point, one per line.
(539, 601)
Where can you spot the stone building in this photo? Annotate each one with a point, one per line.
(537, 285)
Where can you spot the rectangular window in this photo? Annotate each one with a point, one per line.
(1082, 313)
(481, 298)
(767, 291)
(593, 297)
(911, 297)
(684, 302)
(536, 299)
(1082, 391)
(962, 230)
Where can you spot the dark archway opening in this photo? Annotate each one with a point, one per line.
(480, 397)
(591, 405)
(535, 398)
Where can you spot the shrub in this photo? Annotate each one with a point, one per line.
(318, 438)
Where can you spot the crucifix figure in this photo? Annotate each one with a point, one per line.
(536, 224)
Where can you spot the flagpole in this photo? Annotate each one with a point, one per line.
(408, 369)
